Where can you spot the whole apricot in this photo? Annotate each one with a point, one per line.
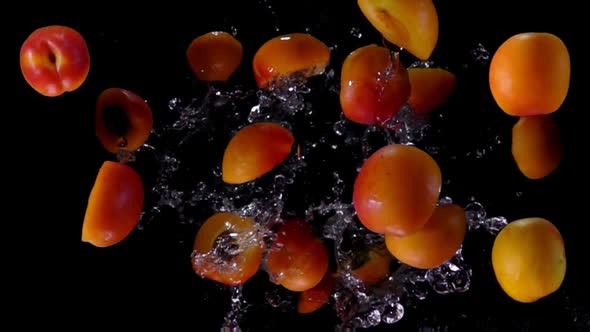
(530, 74)
(528, 258)
(397, 189)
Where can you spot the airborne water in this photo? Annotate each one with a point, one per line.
(185, 153)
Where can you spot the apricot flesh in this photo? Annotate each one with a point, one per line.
(289, 54)
(374, 85)
(430, 88)
(396, 190)
(55, 59)
(536, 146)
(529, 260)
(409, 24)
(433, 244)
(123, 120)
(114, 205)
(225, 261)
(214, 56)
(254, 151)
(530, 74)
(375, 269)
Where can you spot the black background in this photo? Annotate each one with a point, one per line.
(52, 156)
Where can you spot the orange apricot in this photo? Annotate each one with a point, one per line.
(528, 258)
(254, 151)
(313, 299)
(430, 88)
(123, 120)
(536, 146)
(397, 189)
(433, 244)
(288, 54)
(114, 205)
(530, 74)
(227, 249)
(409, 24)
(374, 85)
(375, 268)
(297, 259)
(214, 56)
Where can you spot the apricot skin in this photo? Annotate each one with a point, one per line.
(409, 24)
(287, 54)
(433, 244)
(396, 190)
(430, 88)
(54, 60)
(297, 259)
(528, 259)
(114, 205)
(313, 299)
(214, 56)
(255, 150)
(374, 85)
(138, 114)
(530, 74)
(246, 263)
(536, 146)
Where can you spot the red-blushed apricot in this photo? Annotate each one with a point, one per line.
(55, 59)
(397, 189)
(297, 259)
(288, 54)
(123, 120)
(254, 151)
(214, 56)
(530, 74)
(313, 299)
(375, 268)
(433, 244)
(227, 249)
(114, 206)
(536, 146)
(430, 88)
(374, 85)
(528, 258)
(409, 24)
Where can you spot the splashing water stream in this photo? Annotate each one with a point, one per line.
(216, 116)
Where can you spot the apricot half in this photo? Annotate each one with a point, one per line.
(313, 299)
(374, 85)
(227, 249)
(530, 74)
(536, 146)
(528, 258)
(430, 88)
(214, 56)
(397, 189)
(123, 120)
(409, 24)
(288, 54)
(114, 205)
(375, 268)
(254, 151)
(297, 259)
(433, 244)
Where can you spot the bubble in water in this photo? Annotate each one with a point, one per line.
(125, 156)
(392, 313)
(480, 54)
(454, 276)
